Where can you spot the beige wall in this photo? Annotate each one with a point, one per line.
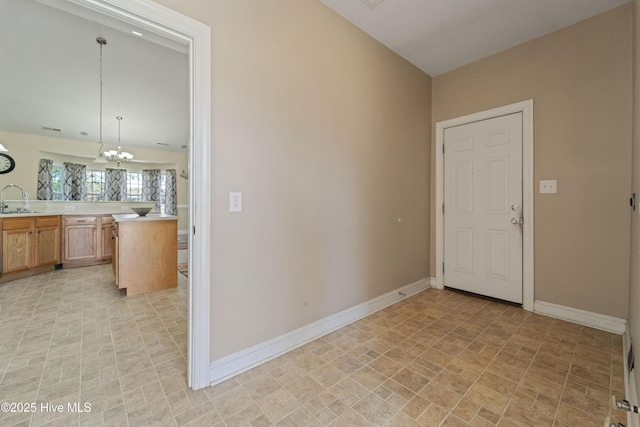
(27, 150)
(326, 134)
(634, 288)
(580, 81)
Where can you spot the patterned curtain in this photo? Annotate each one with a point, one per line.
(151, 186)
(171, 196)
(74, 186)
(116, 184)
(45, 180)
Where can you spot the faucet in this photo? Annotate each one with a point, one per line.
(25, 198)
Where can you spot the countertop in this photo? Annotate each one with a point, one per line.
(30, 214)
(148, 217)
(124, 216)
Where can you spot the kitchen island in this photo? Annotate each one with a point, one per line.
(145, 252)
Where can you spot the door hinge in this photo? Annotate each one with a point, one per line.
(194, 230)
(443, 208)
(443, 267)
(443, 148)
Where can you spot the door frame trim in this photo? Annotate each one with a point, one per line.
(526, 108)
(197, 36)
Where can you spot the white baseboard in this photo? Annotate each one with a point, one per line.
(594, 320)
(236, 363)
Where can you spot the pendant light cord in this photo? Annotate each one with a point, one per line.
(101, 42)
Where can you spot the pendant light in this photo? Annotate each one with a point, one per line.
(118, 156)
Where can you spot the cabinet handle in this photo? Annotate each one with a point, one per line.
(81, 220)
(39, 231)
(31, 232)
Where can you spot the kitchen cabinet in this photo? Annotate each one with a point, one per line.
(48, 241)
(87, 240)
(30, 245)
(106, 223)
(145, 252)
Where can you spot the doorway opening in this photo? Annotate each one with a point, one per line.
(197, 36)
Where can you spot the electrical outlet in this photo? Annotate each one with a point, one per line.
(235, 202)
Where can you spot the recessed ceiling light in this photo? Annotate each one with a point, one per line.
(183, 146)
(136, 33)
(50, 128)
(164, 144)
(83, 133)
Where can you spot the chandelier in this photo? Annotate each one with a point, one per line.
(118, 156)
(115, 156)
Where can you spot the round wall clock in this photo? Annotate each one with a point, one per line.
(6, 163)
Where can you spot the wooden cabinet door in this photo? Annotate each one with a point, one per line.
(107, 251)
(47, 245)
(16, 250)
(80, 242)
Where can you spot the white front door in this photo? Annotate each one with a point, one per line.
(483, 207)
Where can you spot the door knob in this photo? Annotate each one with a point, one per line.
(515, 221)
(515, 207)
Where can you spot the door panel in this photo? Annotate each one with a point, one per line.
(482, 181)
(497, 252)
(498, 185)
(463, 186)
(464, 250)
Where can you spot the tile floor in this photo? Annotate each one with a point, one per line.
(438, 358)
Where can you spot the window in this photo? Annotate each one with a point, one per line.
(95, 182)
(56, 182)
(95, 185)
(134, 186)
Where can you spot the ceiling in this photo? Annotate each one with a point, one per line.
(50, 70)
(50, 77)
(440, 35)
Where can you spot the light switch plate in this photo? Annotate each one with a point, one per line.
(548, 186)
(235, 202)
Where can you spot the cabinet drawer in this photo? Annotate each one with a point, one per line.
(76, 220)
(47, 221)
(16, 223)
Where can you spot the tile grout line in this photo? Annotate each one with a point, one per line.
(146, 349)
(483, 371)
(115, 356)
(521, 382)
(84, 289)
(564, 386)
(6, 370)
(44, 365)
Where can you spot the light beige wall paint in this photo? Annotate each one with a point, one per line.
(27, 150)
(580, 80)
(326, 134)
(634, 287)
